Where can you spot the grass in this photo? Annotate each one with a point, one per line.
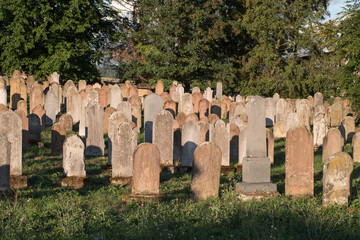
(45, 210)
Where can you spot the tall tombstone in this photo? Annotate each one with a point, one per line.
(336, 114)
(136, 115)
(73, 162)
(180, 91)
(25, 128)
(115, 96)
(282, 110)
(163, 137)
(208, 94)
(234, 142)
(146, 170)
(81, 85)
(220, 136)
(276, 97)
(304, 110)
(50, 108)
(292, 121)
(34, 128)
(356, 147)
(190, 139)
(270, 145)
(205, 179)
(256, 164)
(56, 88)
(125, 108)
(103, 95)
(159, 87)
(172, 89)
(187, 104)
(152, 105)
(218, 90)
(333, 143)
(204, 131)
(204, 108)
(299, 163)
(15, 91)
(269, 111)
(122, 154)
(348, 124)
(319, 128)
(107, 113)
(82, 123)
(115, 120)
(93, 96)
(54, 78)
(58, 134)
(94, 121)
(4, 163)
(22, 105)
(75, 107)
(318, 99)
(3, 96)
(67, 121)
(196, 97)
(36, 97)
(337, 179)
(71, 90)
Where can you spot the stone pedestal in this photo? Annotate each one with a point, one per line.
(75, 182)
(18, 181)
(121, 180)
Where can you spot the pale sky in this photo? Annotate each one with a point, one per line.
(335, 7)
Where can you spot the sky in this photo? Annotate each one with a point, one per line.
(335, 6)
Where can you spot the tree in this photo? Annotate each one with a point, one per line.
(66, 36)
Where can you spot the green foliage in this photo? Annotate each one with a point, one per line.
(66, 36)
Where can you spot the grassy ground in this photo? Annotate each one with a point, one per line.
(45, 210)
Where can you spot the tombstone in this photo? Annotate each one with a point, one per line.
(124, 91)
(93, 96)
(108, 111)
(276, 97)
(103, 96)
(125, 108)
(165, 96)
(299, 163)
(75, 107)
(270, 145)
(336, 114)
(67, 121)
(220, 136)
(208, 94)
(204, 131)
(234, 142)
(218, 90)
(319, 128)
(146, 170)
(96, 85)
(269, 111)
(94, 120)
(356, 147)
(333, 143)
(256, 164)
(191, 116)
(36, 97)
(34, 123)
(213, 118)
(239, 98)
(318, 99)
(22, 105)
(172, 89)
(136, 115)
(348, 124)
(304, 111)
(73, 162)
(4, 163)
(190, 139)
(41, 113)
(170, 106)
(204, 108)
(122, 154)
(115, 96)
(216, 108)
(181, 119)
(115, 119)
(180, 91)
(224, 110)
(69, 93)
(58, 134)
(293, 120)
(54, 78)
(50, 108)
(196, 97)
(133, 91)
(11, 126)
(57, 90)
(152, 105)
(81, 85)
(25, 129)
(15, 91)
(205, 179)
(163, 137)
(337, 179)
(3, 96)
(159, 87)
(280, 130)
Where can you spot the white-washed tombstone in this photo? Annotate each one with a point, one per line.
(319, 128)
(186, 104)
(208, 94)
(54, 78)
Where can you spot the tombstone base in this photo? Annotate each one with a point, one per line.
(18, 181)
(250, 191)
(75, 182)
(121, 180)
(143, 197)
(227, 169)
(167, 169)
(256, 170)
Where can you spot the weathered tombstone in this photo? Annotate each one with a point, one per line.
(115, 119)
(125, 108)
(282, 110)
(256, 164)
(93, 96)
(333, 143)
(216, 108)
(25, 128)
(15, 91)
(163, 137)
(22, 105)
(73, 162)
(94, 121)
(213, 118)
(208, 94)
(181, 119)
(190, 139)
(4, 163)
(54, 77)
(204, 108)
(220, 136)
(124, 91)
(115, 94)
(205, 179)
(196, 97)
(336, 114)
(75, 107)
(146, 171)
(36, 97)
(224, 110)
(293, 120)
(41, 113)
(172, 89)
(34, 128)
(108, 111)
(58, 134)
(299, 163)
(191, 116)
(348, 124)
(56, 88)
(67, 121)
(186, 105)
(270, 145)
(234, 142)
(152, 105)
(195, 90)
(122, 154)
(218, 90)
(318, 99)
(337, 179)
(50, 108)
(136, 115)
(159, 87)
(204, 131)
(319, 128)
(276, 97)
(81, 85)
(304, 111)
(71, 90)
(269, 111)
(11, 126)
(3, 96)
(356, 147)
(103, 96)
(170, 106)
(180, 90)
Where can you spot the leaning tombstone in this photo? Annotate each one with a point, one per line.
(333, 143)
(337, 179)
(205, 179)
(146, 174)
(73, 162)
(299, 163)
(256, 165)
